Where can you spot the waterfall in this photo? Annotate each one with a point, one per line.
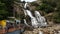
(34, 22)
(26, 22)
(43, 21)
(37, 15)
(29, 13)
(33, 19)
(26, 4)
(40, 19)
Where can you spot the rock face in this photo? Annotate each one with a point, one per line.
(48, 30)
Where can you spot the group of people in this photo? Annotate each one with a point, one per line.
(12, 24)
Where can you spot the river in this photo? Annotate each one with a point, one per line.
(14, 32)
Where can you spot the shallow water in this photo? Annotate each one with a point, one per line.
(15, 32)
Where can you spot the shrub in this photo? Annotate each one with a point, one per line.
(56, 17)
(45, 7)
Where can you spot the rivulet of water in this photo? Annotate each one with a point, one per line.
(41, 20)
(36, 21)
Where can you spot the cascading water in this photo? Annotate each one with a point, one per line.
(26, 4)
(29, 13)
(37, 15)
(38, 21)
(34, 22)
(41, 19)
(26, 22)
(33, 19)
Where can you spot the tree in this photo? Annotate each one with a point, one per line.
(3, 11)
(45, 7)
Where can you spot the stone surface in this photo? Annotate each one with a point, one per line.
(47, 30)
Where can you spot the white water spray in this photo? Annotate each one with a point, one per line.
(26, 4)
(26, 22)
(33, 19)
(38, 16)
(34, 22)
(41, 19)
(29, 13)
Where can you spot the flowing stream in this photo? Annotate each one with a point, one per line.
(36, 21)
(15, 32)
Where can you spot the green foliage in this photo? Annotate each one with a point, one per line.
(34, 4)
(22, 16)
(3, 12)
(56, 17)
(50, 2)
(6, 8)
(49, 6)
(45, 7)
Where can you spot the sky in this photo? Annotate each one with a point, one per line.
(28, 0)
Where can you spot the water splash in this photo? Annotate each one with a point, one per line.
(26, 4)
(40, 19)
(26, 22)
(33, 19)
(43, 21)
(37, 15)
(29, 13)
(34, 22)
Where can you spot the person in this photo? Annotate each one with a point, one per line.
(7, 27)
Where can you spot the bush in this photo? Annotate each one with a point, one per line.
(45, 7)
(53, 3)
(56, 17)
(34, 4)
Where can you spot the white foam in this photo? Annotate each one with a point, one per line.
(34, 22)
(25, 5)
(29, 13)
(40, 19)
